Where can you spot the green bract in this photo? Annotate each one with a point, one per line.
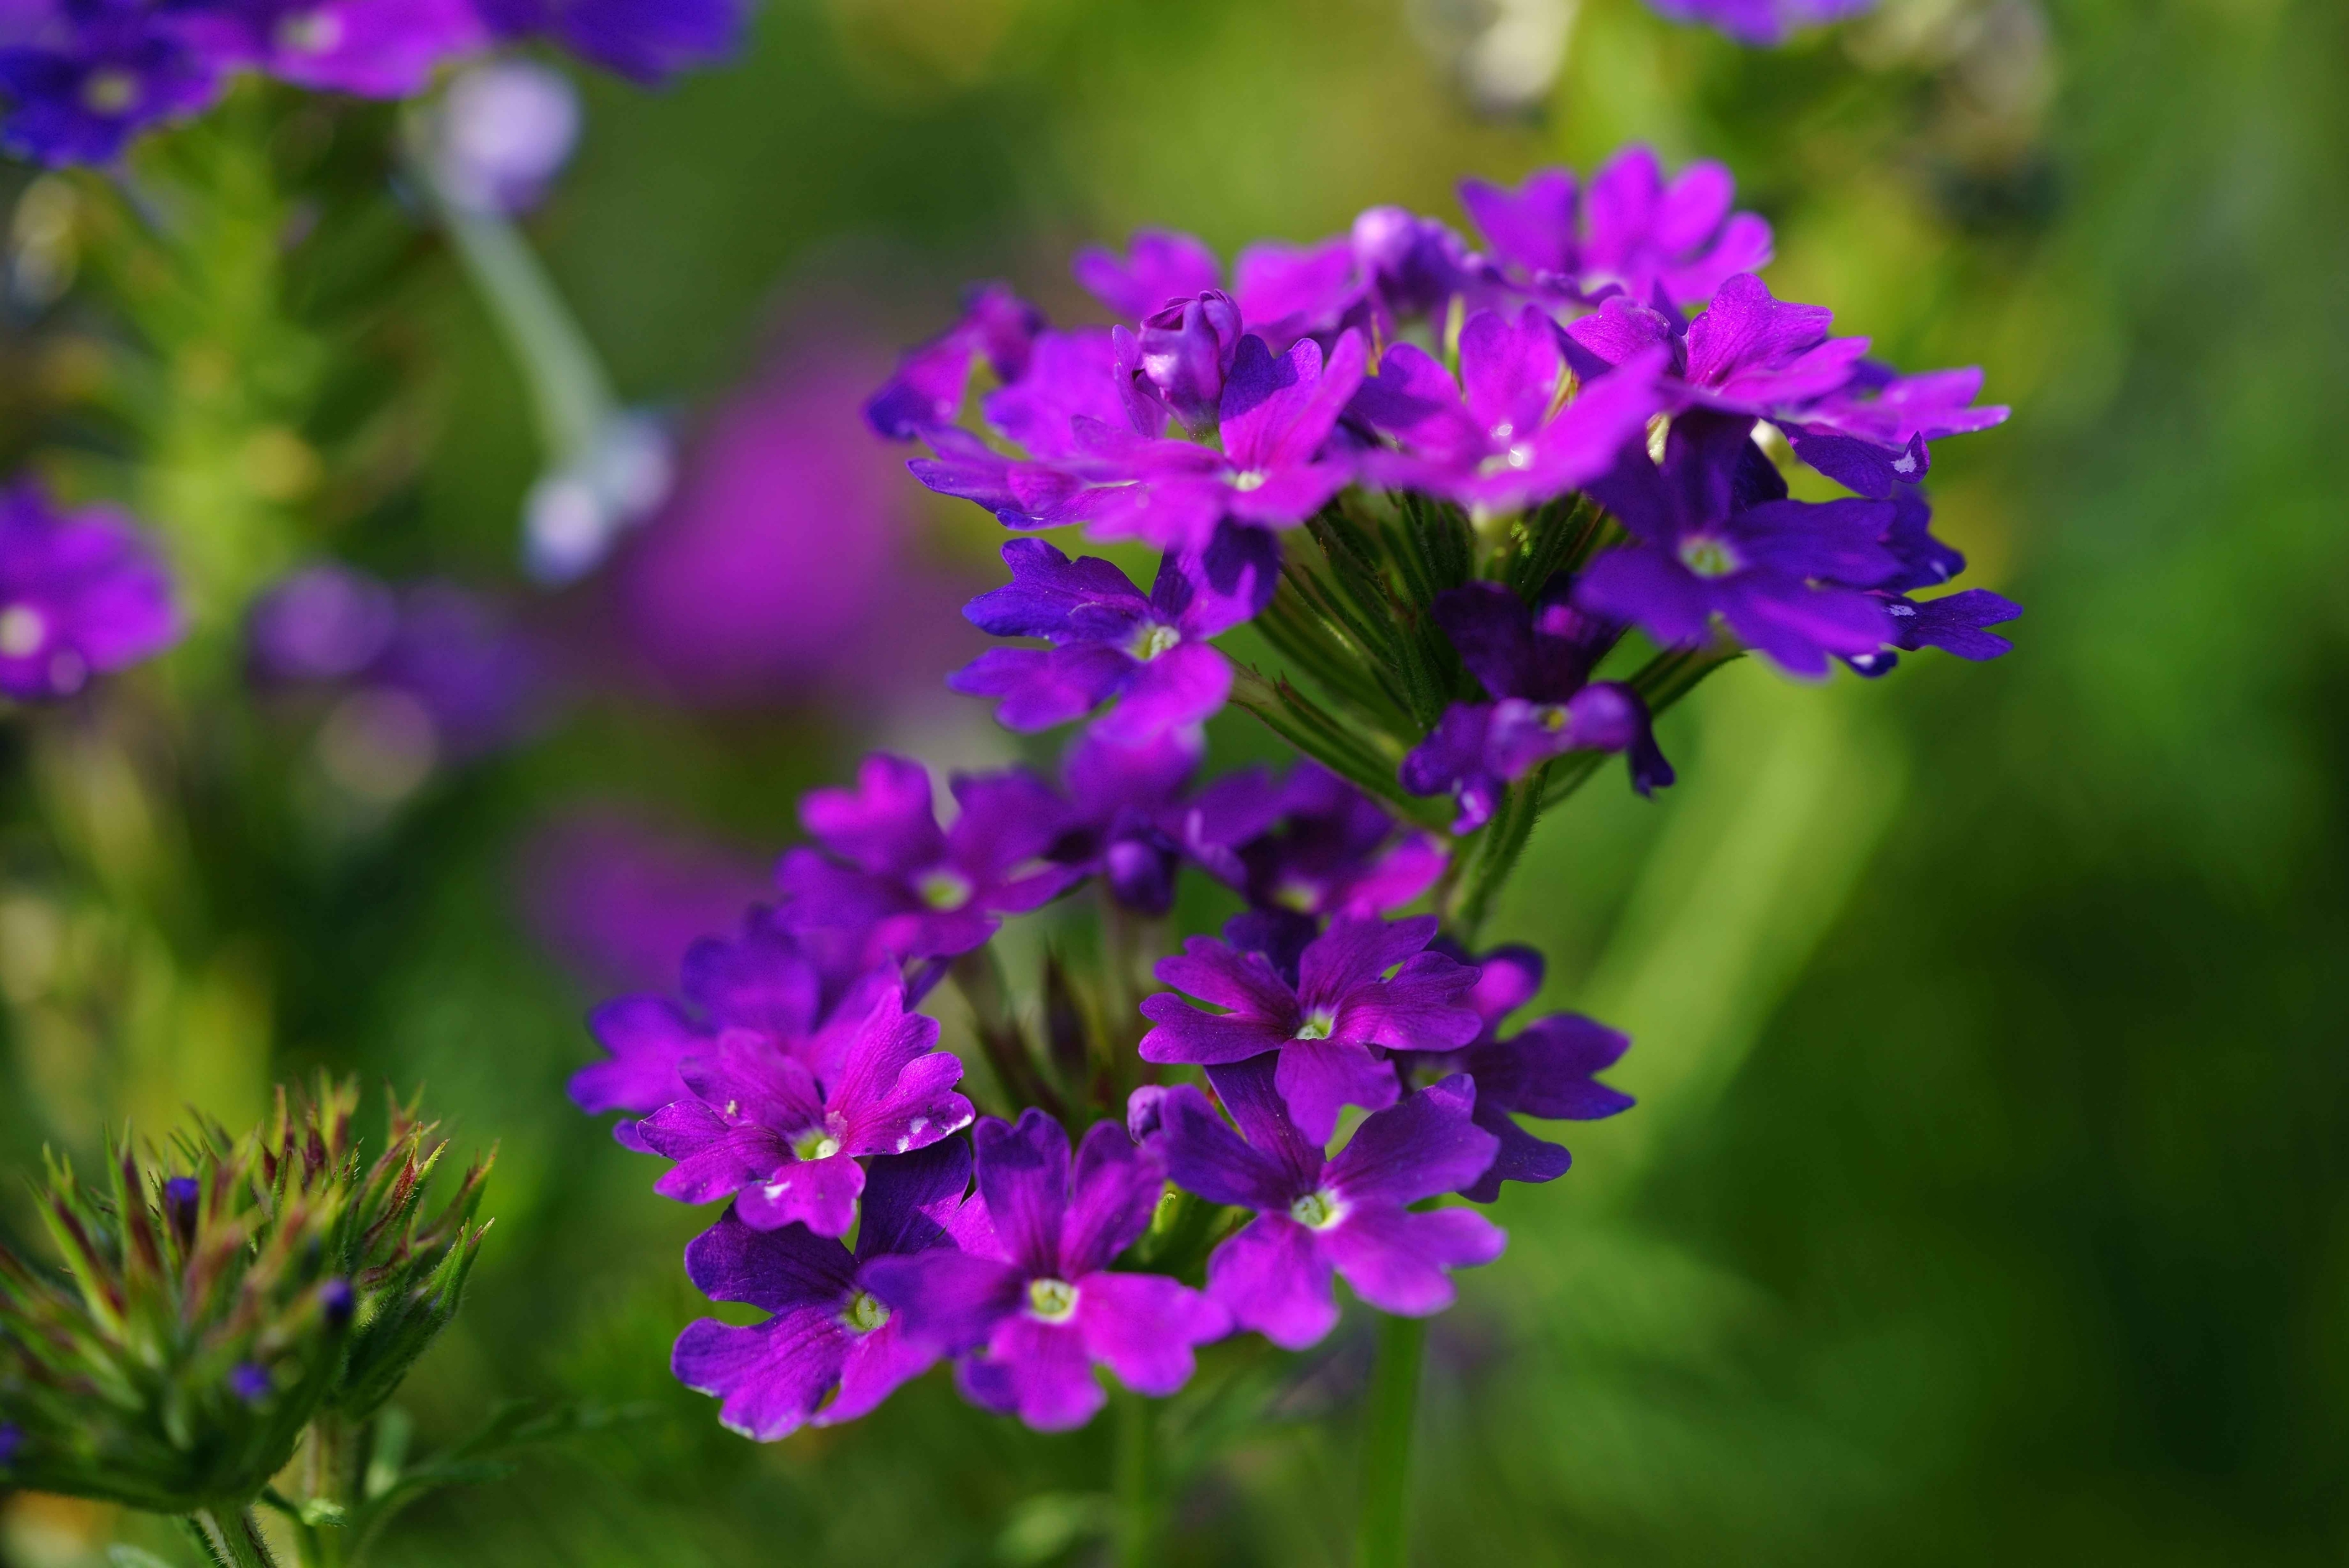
(219, 1296)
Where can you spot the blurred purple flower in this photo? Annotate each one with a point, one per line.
(83, 76)
(81, 592)
(1159, 266)
(620, 901)
(1630, 232)
(646, 41)
(997, 325)
(1760, 23)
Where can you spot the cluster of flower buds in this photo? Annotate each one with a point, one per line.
(218, 1296)
(84, 76)
(1448, 485)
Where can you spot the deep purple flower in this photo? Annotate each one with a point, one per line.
(378, 48)
(1346, 1215)
(1151, 656)
(646, 41)
(1760, 23)
(1287, 291)
(1069, 375)
(927, 391)
(783, 1130)
(766, 982)
(1548, 1070)
(1953, 623)
(1032, 1298)
(1180, 357)
(91, 75)
(81, 592)
(1632, 232)
(1871, 434)
(1412, 267)
(1276, 416)
(1748, 353)
(917, 891)
(1535, 661)
(338, 1301)
(1507, 441)
(1329, 1025)
(1717, 537)
(1313, 846)
(1159, 265)
(832, 1351)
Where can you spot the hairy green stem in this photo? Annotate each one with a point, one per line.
(1140, 1529)
(1383, 1540)
(232, 1536)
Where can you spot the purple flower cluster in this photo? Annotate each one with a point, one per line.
(84, 76)
(1508, 462)
(81, 592)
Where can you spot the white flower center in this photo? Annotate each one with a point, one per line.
(110, 92)
(944, 889)
(1318, 1024)
(1709, 555)
(1153, 640)
(1051, 1301)
(816, 1143)
(1317, 1210)
(310, 33)
(1252, 479)
(23, 631)
(864, 1314)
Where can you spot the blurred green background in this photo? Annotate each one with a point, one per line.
(1988, 1199)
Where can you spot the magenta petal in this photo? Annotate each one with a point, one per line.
(1184, 685)
(1023, 1175)
(1397, 1260)
(1038, 1371)
(1275, 1281)
(1143, 1326)
(1317, 1078)
(778, 1270)
(1114, 1186)
(1042, 687)
(1183, 1034)
(769, 1376)
(820, 1194)
(1426, 1143)
(873, 1367)
(1244, 982)
(1205, 1157)
(648, 1038)
(1422, 1008)
(885, 825)
(1353, 953)
(949, 1301)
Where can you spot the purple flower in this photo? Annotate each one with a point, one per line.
(1508, 441)
(378, 48)
(1069, 375)
(927, 391)
(916, 892)
(92, 74)
(832, 1351)
(646, 41)
(1316, 1216)
(249, 1382)
(1158, 267)
(1137, 822)
(1535, 661)
(1760, 23)
(1548, 1069)
(1329, 1026)
(1151, 657)
(1748, 353)
(1633, 234)
(1275, 415)
(1953, 623)
(1313, 846)
(1716, 536)
(767, 983)
(81, 592)
(1181, 358)
(1031, 1297)
(1871, 434)
(1286, 292)
(783, 1130)
(1410, 265)
(620, 898)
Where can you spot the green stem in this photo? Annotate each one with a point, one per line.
(233, 1537)
(1383, 1541)
(1139, 1528)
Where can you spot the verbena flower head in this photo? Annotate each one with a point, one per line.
(81, 592)
(1031, 1303)
(783, 1125)
(1547, 1070)
(1150, 656)
(1363, 988)
(832, 1350)
(1535, 661)
(1348, 1215)
(218, 1296)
